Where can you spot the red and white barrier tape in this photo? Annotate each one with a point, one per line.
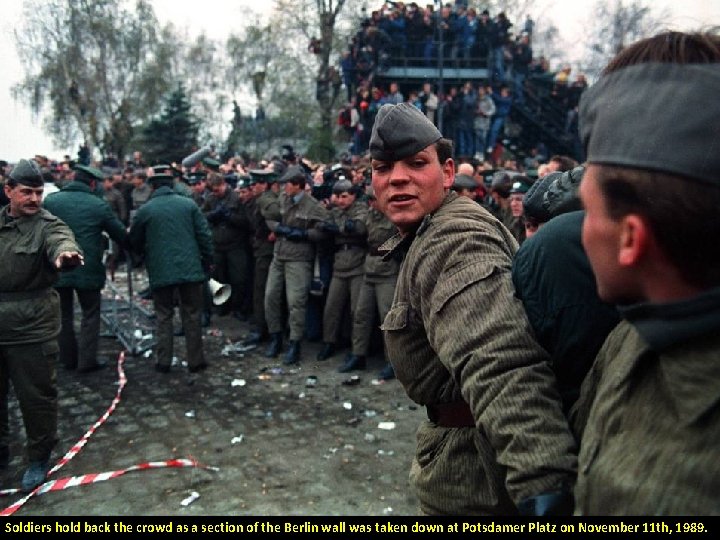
(72, 481)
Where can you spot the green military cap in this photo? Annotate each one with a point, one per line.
(400, 131)
(263, 175)
(27, 172)
(161, 179)
(521, 184)
(86, 174)
(211, 163)
(195, 177)
(243, 182)
(463, 181)
(342, 186)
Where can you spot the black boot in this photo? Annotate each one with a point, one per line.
(328, 349)
(352, 363)
(254, 338)
(275, 345)
(292, 356)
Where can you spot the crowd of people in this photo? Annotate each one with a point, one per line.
(472, 114)
(548, 322)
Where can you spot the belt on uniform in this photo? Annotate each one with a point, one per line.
(16, 296)
(345, 247)
(451, 415)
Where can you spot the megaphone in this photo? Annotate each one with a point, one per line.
(220, 291)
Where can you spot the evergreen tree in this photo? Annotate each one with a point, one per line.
(173, 135)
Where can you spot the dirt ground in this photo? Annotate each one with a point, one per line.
(281, 444)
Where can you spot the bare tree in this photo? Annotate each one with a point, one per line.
(91, 69)
(616, 24)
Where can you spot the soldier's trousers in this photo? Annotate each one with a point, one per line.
(31, 370)
(375, 297)
(191, 306)
(231, 267)
(84, 354)
(262, 269)
(293, 280)
(340, 291)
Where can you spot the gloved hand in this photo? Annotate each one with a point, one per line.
(297, 235)
(555, 503)
(329, 227)
(282, 230)
(350, 226)
(218, 215)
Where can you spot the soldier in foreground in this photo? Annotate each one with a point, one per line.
(496, 441)
(648, 414)
(34, 246)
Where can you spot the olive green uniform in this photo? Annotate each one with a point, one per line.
(292, 265)
(347, 277)
(30, 323)
(459, 340)
(265, 207)
(378, 286)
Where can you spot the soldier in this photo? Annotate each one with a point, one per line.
(496, 440)
(347, 225)
(230, 226)
(141, 190)
(265, 207)
(378, 287)
(88, 217)
(291, 269)
(175, 238)
(34, 245)
(648, 413)
(115, 199)
(465, 186)
(198, 186)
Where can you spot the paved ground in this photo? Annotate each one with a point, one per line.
(282, 447)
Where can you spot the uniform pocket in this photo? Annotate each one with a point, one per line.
(397, 318)
(453, 284)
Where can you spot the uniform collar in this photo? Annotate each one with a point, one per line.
(663, 325)
(400, 244)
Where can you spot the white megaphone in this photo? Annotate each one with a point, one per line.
(220, 291)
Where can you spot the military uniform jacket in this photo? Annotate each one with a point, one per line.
(28, 249)
(350, 245)
(648, 416)
(232, 233)
(175, 238)
(455, 332)
(88, 217)
(379, 230)
(265, 207)
(117, 204)
(305, 214)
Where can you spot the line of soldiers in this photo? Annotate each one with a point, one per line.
(282, 247)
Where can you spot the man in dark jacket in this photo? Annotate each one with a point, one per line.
(34, 245)
(230, 226)
(89, 217)
(175, 238)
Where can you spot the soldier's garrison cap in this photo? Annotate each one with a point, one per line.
(28, 173)
(463, 181)
(86, 174)
(195, 177)
(342, 186)
(401, 131)
(293, 174)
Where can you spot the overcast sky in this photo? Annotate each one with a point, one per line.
(22, 136)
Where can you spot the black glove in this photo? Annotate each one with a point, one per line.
(218, 215)
(329, 227)
(282, 230)
(297, 235)
(350, 226)
(556, 503)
